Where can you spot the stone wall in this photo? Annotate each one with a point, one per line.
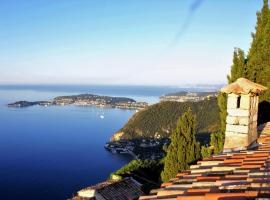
(241, 127)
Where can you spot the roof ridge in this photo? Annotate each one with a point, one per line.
(243, 86)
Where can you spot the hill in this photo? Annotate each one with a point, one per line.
(158, 120)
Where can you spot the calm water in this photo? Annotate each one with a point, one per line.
(49, 153)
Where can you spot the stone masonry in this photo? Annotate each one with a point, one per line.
(242, 109)
(241, 122)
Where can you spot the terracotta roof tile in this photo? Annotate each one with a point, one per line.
(126, 189)
(244, 86)
(228, 176)
(208, 178)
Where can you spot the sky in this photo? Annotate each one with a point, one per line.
(122, 42)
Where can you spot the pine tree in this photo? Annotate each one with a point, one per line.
(183, 149)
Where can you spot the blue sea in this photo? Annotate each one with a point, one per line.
(49, 153)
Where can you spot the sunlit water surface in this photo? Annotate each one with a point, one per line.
(51, 152)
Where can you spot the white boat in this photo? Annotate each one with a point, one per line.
(102, 116)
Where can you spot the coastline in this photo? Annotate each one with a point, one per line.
(86, 100)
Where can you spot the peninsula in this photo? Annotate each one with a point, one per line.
(86, 100)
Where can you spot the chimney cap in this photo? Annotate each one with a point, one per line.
(243, 86)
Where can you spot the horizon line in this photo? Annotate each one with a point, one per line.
(106, 84)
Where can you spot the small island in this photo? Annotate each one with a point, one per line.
(85, 100)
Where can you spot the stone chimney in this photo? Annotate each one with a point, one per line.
(242, 109)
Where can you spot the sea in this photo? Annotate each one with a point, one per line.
(49, 153)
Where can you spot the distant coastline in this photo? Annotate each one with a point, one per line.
(188, 96)
(85, 100)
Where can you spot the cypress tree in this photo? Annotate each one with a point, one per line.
(255, 66)
(217, 139)
(259, 52)
(258, 65)
(259, 60)
(239, 67)
(263, 57)
(183, 149)
(206, 152)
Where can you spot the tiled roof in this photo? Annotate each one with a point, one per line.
(99, 185)
(243, 86)
(228, 176)
(127, 189)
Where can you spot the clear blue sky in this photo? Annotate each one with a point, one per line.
(122, 41)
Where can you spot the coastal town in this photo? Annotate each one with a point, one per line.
(141, 149)
(114, 102)
(188, 96)
(86, 100)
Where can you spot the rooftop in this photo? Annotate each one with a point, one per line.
(243, 86)
(125, 189)
(229, 176)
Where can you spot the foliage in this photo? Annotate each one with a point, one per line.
(183, 149)
(259, 52)
(161, 118)
(217, 141)
(238, 68)
(146, 172)
(206, 152)
(254, 66)
(222, 103)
